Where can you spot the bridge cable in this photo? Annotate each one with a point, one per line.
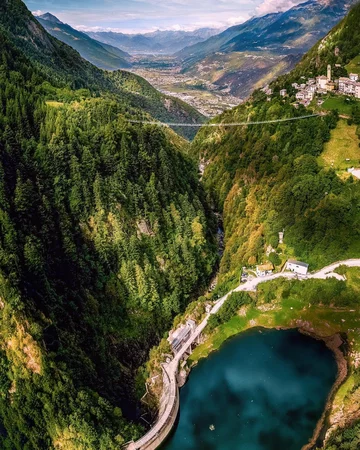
(236, 124)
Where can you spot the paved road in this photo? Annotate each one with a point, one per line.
(172, 367)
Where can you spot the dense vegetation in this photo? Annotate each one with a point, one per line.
(235, 301)
(347, 439)
(266, 179)
(105, 234)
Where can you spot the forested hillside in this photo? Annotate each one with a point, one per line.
(105, 234)
(268, 178)
(273, 177)
(64, 67)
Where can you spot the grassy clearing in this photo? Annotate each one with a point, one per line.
(54, 104)
(343, 145)
(354, 65)
(341, 103)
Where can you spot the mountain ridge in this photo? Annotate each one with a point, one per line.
(101, 55)
(164, 42)
(251, 55)
(276, 31)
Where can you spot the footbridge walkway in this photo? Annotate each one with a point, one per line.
(162, 427)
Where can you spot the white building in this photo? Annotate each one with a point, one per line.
(283, 92)
(264, 269)
(300, 95)
(305, 95)
(297, 266)
(357, 90)
(354, 77)
(346, 86)
(181, 335)
(321, 82)
(329, 72)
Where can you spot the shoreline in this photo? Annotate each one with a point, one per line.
(334, 343)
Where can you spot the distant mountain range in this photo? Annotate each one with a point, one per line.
(239, 59)
(247, 56)
(102, 55)
(292, 31)
(158, 42)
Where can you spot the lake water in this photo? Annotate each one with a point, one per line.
(263, 390)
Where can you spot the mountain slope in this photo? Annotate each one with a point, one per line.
(101, 55)
(259, 168)
(105, 234)
(251, 55)
(58, 60)
(165, 42)
(293, 31)
(216, 43)
(341, 46)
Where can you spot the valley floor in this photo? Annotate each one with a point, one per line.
(206, 97)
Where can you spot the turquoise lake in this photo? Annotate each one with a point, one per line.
(263, 390)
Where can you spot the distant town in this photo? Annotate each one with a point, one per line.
(321, 85)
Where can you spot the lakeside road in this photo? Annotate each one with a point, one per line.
(158, 433)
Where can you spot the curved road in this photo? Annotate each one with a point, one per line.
(152, 439)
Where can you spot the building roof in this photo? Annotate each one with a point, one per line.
(298, 263)
(322, 77)
(265, 267)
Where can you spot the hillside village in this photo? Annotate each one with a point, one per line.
(321, 85)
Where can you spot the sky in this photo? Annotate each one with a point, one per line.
(132, 16)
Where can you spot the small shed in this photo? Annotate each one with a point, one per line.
(297, 266)
(264, 269)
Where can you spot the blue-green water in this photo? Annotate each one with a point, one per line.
(263, 390)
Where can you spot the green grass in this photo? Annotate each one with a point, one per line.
(54, 104)
(286, 312)
(354, 65)
(343, 145)
(340, 103)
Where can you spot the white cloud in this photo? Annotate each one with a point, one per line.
(270, 6)
(236, 20)
(38, 13)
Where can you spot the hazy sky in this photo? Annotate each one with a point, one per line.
(148, 15)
